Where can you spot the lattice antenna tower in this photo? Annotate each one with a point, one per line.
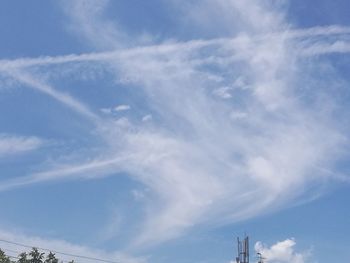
(242, 250)
(260, 258)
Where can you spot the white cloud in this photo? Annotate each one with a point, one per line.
(39, 85)
(118, 108)
(138, 195)
(92, 169)
(197, 163)
(308, 43)
(87, 21)
(122, 108)
(13, 144)
(281, 252)
(223, 92)
(201, 168)
(106, 110)
(147, 117)
(236, 115)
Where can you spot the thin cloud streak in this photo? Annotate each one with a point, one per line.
(66, 99)
(91, 169)
(119, 54)
(14, 144)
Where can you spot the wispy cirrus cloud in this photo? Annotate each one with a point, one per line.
(207, 160)
(324, 38)
(14, 144)
(39, 85)
(89, 22)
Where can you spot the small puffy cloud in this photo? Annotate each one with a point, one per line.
(106, 110)
(122, 122)
(147, 117)
(117, 108)
(223, 92)
(240, 83)
(122, 108)
(237, 115)
(12, 144)
(138, 195)
(281, 252)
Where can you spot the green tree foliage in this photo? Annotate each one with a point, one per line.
(34, 256)
(51, 258)
(22, 258)
(4, 258)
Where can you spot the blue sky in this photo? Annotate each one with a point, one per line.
(158, 131)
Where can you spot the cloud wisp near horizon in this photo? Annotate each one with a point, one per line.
(217, 129)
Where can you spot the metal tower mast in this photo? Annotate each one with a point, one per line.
(260, 258)
(243, 250)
